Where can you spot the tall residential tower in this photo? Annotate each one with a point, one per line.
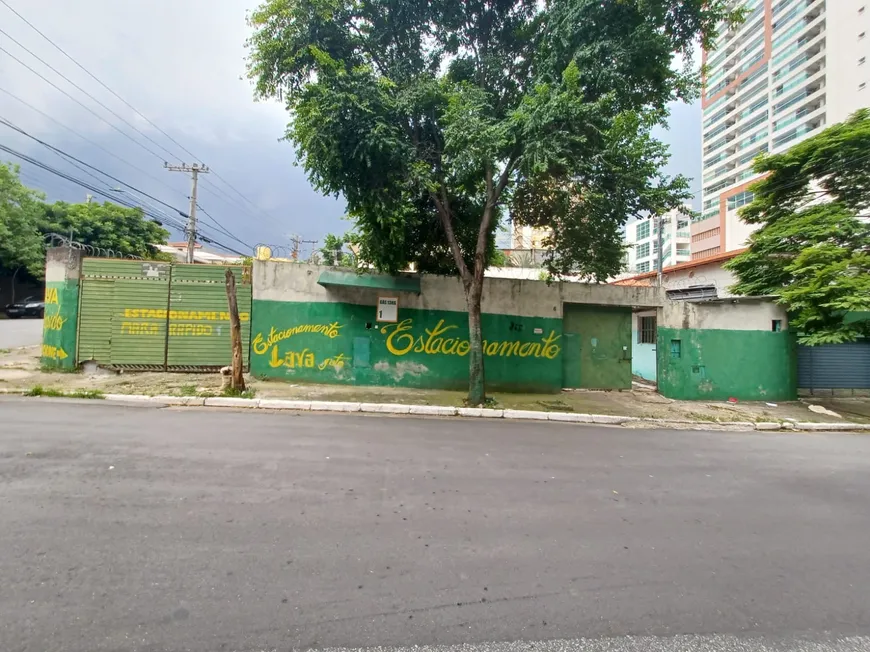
(791, 69)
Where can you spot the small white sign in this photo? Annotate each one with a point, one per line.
(388, 309)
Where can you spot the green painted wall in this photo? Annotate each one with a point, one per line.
(597, 347)
(342, 343)
(719, 364)
(60, 324)
(153, 314)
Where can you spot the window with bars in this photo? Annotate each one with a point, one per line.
(643, 250)
(646, 334)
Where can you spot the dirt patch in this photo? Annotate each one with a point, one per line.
(20, 370)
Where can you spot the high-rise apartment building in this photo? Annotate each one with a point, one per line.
(791, 69)
(643, 236)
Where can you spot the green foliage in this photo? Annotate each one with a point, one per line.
(427, 116)
(499, 259)
(39, 390)
(25, 220)
(436, 119)
(333, 253)
(124, 231)
(813, 249)
(20, 240)
(232, 392)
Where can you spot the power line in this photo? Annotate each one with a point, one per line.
(81, 104)
(63, 175)
(129, 105)
(91, 142)
(96, 79)
(221, 228)
(75, 161)
(70, 156)
(72, 83)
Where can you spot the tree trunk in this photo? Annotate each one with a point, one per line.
(238, 379)
(476, 375)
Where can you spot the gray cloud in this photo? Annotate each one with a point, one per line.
(180, 62)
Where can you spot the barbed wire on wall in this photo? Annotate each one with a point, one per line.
(58, 240)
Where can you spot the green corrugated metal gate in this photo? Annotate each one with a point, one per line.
(152, 315)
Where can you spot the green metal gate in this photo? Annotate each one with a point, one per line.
(152, 315)
(597, 351)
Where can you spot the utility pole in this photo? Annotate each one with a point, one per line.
(297, 246)
(195, 170)
(660, 261)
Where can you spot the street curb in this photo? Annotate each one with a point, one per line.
(467, 413)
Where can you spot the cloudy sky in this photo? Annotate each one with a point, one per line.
(181, 64)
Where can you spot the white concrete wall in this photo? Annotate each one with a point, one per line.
(737, 231)
(298, 282)
(733, 315)
(712, 274)
(845, 73)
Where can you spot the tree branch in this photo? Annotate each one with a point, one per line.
(443, 207)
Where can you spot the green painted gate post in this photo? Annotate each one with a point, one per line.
(63, 268)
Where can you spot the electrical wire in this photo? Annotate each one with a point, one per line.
(73, 84)
(76, 161)
(221, 228)
(83, 105)
(113, 197)
(96, 79)
(91, 142)
(7, 123)
(139, 113)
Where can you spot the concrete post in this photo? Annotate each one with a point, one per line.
(63, 267)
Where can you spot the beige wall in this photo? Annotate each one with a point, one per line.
(734, 315)
(275, 281)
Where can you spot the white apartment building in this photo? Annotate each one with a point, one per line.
(793, 68)
(643, 238)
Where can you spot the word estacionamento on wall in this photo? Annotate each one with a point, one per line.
(399, 341)
(435, 342)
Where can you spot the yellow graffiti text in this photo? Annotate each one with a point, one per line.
(292, 359)
(192, 330)
(55, 352)
(51, 296)
(400, 341)
(262, 345)
(139, 328)
(336, 362)
(182, 315)
(53, 322)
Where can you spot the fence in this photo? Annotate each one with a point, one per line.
(150, 315)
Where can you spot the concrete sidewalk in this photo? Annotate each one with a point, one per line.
(20, 372)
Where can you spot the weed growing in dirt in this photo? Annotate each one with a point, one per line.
(234, 393)
(187, 390)
(39, 390)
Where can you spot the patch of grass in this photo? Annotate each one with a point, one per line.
(5, 351)
(39, 390)
(234, 393)
(49, 369)
(555, 406)
(699, 416)
(187, 390)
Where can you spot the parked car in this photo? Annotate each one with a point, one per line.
(29, 307)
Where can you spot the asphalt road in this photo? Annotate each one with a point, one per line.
(125, 528)
(20, 332)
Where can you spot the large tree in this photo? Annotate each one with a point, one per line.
(119, 230)
(813, 248)
(20, 239)
(25, 220)
(435, 119)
